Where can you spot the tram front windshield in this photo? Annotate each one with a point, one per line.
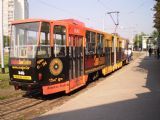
(24, 40)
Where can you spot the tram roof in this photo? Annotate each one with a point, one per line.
(98, 31)
(73, 21)
(29, 20)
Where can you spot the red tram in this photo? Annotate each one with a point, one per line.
(54, 56)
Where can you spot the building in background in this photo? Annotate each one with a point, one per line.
(148, 42)
(13, 10)
(144, 42)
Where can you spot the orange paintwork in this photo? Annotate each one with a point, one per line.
(75, 27)
(77, 83)
(50, 89)
(29, 20)
(66, 86)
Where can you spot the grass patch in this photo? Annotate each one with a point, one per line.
(4, 78)
(4, 84)
(6, 59)
(6, 90)
(2, 97)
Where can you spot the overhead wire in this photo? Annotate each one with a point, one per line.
(104, 6)
(65, 11)
(139, 6)
(111, 13)
(43, 2)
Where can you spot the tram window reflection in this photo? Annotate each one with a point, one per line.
(100, 40)
(90, 43)
(44, 49)
(24, 40)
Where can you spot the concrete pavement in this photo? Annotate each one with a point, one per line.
(131, 93)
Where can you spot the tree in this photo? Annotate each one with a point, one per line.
(138, 41)
(157, 15)
(6, 41)
(154, 36)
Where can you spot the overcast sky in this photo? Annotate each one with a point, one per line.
(135, 15)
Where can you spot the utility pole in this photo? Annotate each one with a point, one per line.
(1, 36)
(116, 22)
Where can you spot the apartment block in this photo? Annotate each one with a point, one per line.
(13, 10)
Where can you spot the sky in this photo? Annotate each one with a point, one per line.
(135, 16)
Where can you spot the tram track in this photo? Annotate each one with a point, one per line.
(19, 108)
(31, 106)
(10, 100)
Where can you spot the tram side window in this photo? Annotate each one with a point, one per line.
(59, 41)
(100, 38)
(44, 49)
(90, 42)
(80, 45)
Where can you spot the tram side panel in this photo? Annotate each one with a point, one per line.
(119, 52)
(94, 53)
(124, 50)
(108, 55)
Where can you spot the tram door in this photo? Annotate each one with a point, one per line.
(114, 50)
(76, 59)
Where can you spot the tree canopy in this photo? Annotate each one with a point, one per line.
(157, 15)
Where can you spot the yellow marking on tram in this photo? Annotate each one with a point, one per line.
(22, 77)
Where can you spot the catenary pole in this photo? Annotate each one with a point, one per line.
(1, 36)
(116, 22)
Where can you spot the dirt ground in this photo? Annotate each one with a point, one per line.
(9, 92)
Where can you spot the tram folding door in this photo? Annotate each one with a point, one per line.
(108, 50)
(75, 59)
